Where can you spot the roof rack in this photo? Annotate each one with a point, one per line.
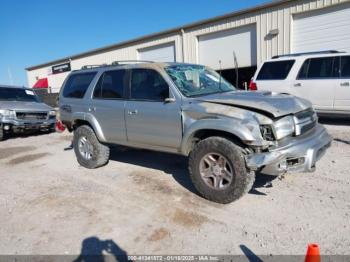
(308, 53)
(130, 61)
(92, 66)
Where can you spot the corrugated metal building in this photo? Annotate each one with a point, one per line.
(254, 35)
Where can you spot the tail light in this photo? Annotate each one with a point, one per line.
(59, 126)
(253, 86)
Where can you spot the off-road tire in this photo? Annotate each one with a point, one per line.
(100, 154)
(242, 181)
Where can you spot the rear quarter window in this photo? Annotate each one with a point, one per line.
(275, 70)
(77, 85)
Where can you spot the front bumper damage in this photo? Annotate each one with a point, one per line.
(16, 125)
(297, 154)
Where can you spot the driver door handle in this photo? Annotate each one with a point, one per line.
(132, 112)
(345, 84)
(297, 84)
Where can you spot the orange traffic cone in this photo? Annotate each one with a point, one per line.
(313, 253)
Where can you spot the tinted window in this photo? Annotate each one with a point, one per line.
(304, 69)
(77, 85)
(320, 68)
(278, 70)
(147, 84)
(111, 85)
(17, 94)
(345, 66)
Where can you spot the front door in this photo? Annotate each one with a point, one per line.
(342, 90)
(149, 119)
(315, 82)
(108, 104)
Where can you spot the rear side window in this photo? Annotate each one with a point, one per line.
(148, 84)
(278, 70)
(345, 66)
(316, 68)
(77, 85)
(111, 85)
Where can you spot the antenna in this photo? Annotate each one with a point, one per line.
(10, 75)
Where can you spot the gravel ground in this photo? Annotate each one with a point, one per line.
(144, 203)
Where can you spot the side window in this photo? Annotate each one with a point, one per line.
(148, 84)
(278, 70)
(304, 69)
(77, 85)
(321, 67)
(111, 85)
(345, 66)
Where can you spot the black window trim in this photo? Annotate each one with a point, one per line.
(340, 71)
(125, 88)
(145, 100)
(87, 89)
(277, 79)
(318, 78)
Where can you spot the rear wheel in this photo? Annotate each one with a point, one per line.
(218, 171)
(89, 151)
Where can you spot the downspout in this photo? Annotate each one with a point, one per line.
(183, 44)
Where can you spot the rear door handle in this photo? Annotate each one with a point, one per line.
(133, 112)
(345, 84)
(297, 84)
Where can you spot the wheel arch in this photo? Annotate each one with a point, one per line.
(192, 138)
(93, 123)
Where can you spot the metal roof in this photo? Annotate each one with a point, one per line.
(162, 33)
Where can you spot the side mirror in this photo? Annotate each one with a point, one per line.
(169, 100)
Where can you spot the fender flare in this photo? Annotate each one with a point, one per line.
(232, 126)
(92, 121)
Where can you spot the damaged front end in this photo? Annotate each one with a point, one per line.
(274, 143)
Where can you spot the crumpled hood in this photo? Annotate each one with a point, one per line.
(269, 103)
(24, 106)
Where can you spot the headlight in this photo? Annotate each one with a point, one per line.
(52, 113)
(8, 113)
(284, 127)
(267, 132)
(279, 129)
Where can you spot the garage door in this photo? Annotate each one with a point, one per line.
(220, 46)
(159, 53)
(325, 29)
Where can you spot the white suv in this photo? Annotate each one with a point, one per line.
(321, 77)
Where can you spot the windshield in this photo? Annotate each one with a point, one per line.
(196, 80)
(16, 94)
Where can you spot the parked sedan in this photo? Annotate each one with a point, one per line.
(21, 110)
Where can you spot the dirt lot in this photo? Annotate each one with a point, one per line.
(144, 202)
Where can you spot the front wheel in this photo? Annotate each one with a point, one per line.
(89, 151)
(218, 171)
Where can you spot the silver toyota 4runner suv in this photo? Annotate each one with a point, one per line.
(188, 109)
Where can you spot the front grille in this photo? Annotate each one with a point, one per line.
(305, 121)
(31, 115)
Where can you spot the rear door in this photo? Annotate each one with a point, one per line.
(149, 119)
(316, 82)
(273, 76)
(342, 89)
(108, 104)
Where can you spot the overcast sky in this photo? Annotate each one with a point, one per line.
(38, 31)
